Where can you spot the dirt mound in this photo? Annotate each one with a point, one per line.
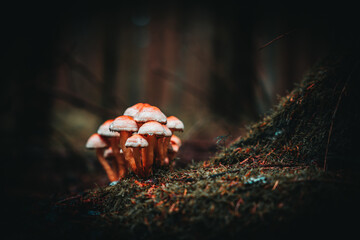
(269, 183)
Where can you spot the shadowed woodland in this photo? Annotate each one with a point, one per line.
(219, 66)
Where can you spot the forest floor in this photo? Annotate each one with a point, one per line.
(295, 174)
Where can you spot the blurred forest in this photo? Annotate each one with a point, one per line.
(217, 65)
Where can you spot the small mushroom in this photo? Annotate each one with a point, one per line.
(173, 147)
(175, 124)
(109, 155)
(113, 138)
(99, 144)
(162, 146)
(150, 130)
(126, 126)
(137, 142)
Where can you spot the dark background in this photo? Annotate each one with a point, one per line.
(68, 66)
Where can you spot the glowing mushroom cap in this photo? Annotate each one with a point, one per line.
(95, 141)
(175, 140)
(133, 110)
(123, 123)
(151, 128)
(175, 123)
(136, 141)
(150, 113)
(167, 131)
(104, 130)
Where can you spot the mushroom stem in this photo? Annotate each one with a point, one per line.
(149, 154)
(165, 149)
(158, 151)
(110, 173)
(137, 157)
(124, 135)
(121, 163)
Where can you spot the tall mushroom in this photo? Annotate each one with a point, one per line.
(150, 130)
(133, 110)
(137, 142)
(149, 113)
(113, 139)
(126, 126)
(99, 144)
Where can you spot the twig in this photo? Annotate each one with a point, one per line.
(333, 116)
(275, 39)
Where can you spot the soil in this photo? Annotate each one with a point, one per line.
(295, 174)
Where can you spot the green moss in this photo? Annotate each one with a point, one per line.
(269, 182)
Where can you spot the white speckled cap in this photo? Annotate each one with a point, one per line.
(167, 131)
(105, 131)
(151, 128)
(131, 111)
(95, 141)
(150, 113)
(176, 140)
(175, 123)
(136, 140)
(124, 123)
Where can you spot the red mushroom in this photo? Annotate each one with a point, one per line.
(149, 113)
(113, 139)
(99, 144)
(126, 126)
(133, 110)
(162, 146)
(150, 130)
(119, 168)
(136, 142)
(175, 124)
(173, 147)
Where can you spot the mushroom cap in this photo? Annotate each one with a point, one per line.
(131, 111)
(96, 141)
(167, 131)
(175, 123)
(151, 128)
(174, 147)
(135, 141)
(150, 113)
(123, 123)
(104, 130)
(175, 140)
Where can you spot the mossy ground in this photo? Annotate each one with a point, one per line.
(271, 182)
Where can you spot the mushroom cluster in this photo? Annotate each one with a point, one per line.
(138, 141)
